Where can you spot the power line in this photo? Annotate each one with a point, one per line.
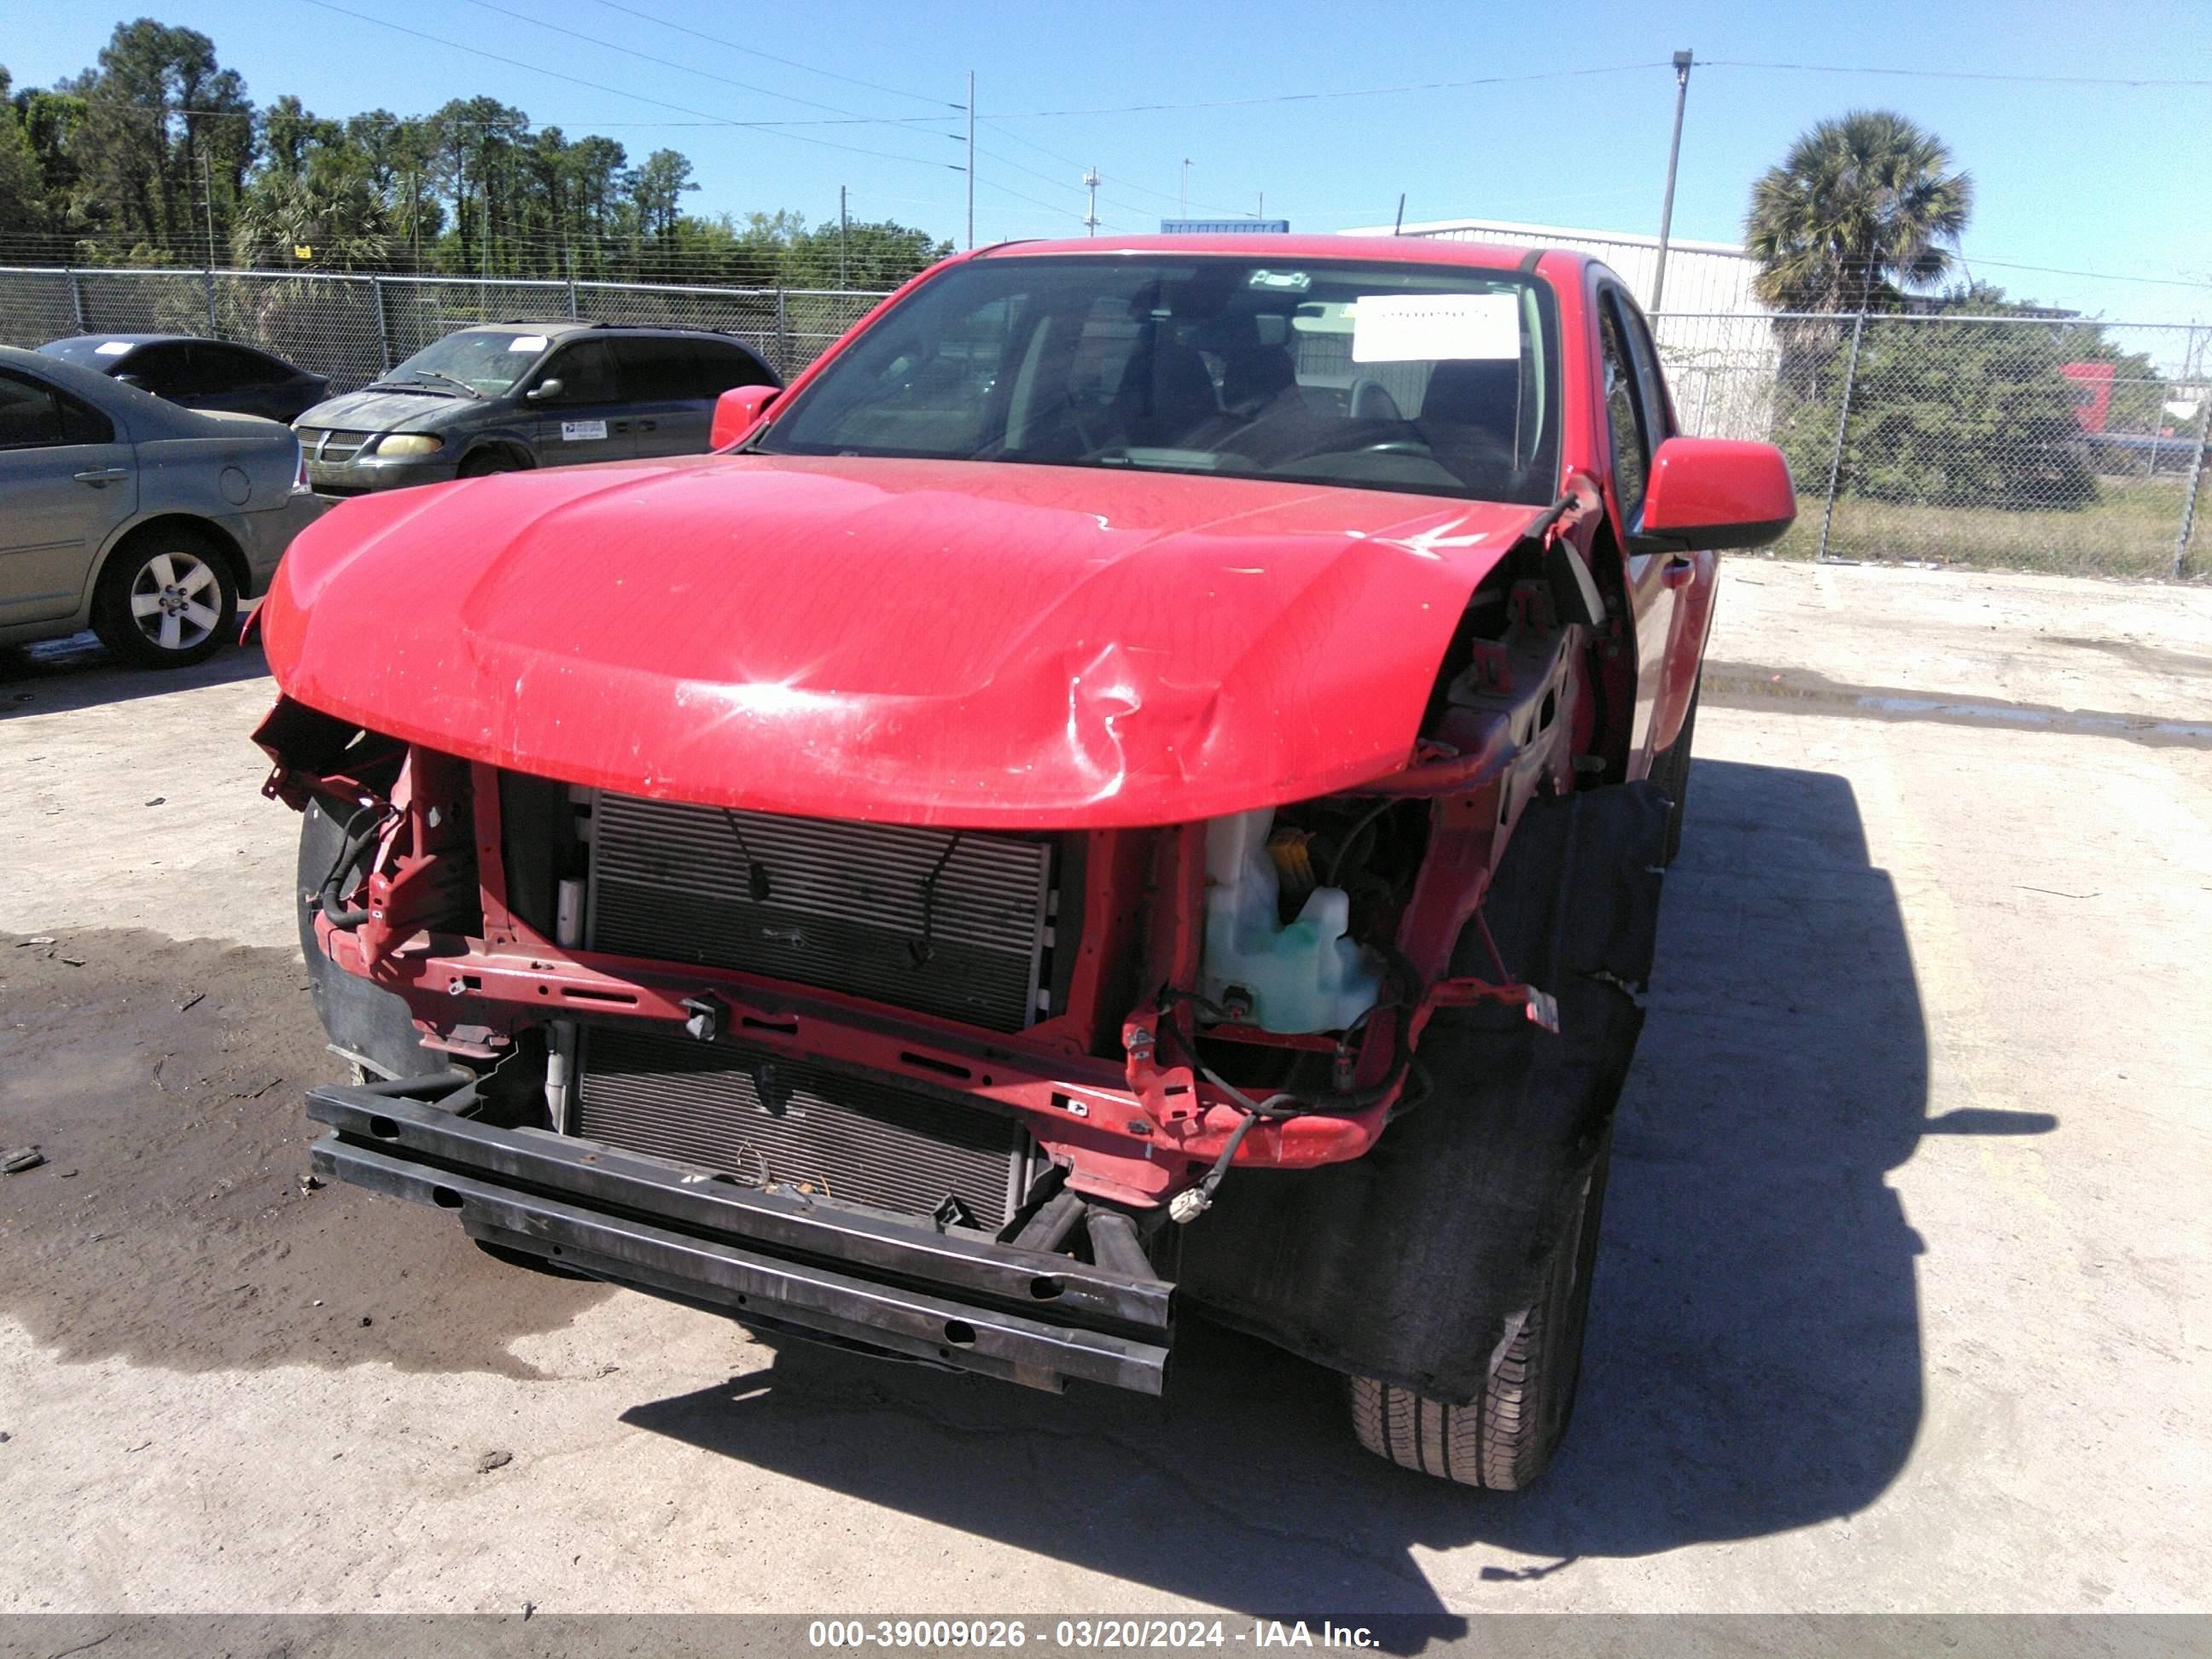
(789, 63)
(1309, 97)
(2100, 275)
(191, 112)
(687, 69)
(1130, 207)
(1055, 208)
(1008, 161)
(636, 97)
(1956, 75)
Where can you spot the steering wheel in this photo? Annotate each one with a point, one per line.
(1400, 446)
(1369, 399)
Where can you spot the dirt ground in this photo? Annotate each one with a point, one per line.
(1901, 1303)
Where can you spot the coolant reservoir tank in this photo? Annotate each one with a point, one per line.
(1303, 977)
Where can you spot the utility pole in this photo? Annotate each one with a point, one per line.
(1397, 225)
(1185, 197)
(1674, 153)
(1091, 182)
(971, 158)
(207, 200)
(842, 283)
(207, 187)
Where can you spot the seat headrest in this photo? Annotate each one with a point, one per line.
(1480, 393)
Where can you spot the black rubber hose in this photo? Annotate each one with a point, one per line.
(358, 844)
(1292, 1103)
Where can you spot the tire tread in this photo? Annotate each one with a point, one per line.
(1501, 1440)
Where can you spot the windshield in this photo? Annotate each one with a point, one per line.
(487, 360)
(1421, 378)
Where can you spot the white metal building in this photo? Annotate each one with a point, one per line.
(1703, 278)
(1714, 337)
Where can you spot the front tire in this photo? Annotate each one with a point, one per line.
(1503, 1439)
(167, 600)
(486, 462)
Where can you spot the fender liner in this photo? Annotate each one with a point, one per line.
(363, 1021)
(1405, 1264)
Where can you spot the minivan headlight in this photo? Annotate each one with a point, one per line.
(410, 443)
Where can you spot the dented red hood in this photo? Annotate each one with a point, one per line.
(910, 642)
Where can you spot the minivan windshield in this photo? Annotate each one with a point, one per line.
(484, 360)
(1431, 379)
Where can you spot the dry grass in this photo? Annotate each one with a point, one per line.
(2130, 531)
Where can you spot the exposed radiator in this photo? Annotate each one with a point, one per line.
(954, 924)
(742, 1112)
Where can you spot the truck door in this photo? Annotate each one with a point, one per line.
(1636, 418)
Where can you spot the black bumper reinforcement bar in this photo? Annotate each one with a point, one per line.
(783, 1259)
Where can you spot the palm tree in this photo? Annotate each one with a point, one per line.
(1861, 210)
(331, 212)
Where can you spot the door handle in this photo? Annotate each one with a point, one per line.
(619, 426)
(100, 476)
(648, 426)
(1677, 571)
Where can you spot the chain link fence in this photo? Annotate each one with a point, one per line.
(355, 328)
(2020, 442)
(2028, 443)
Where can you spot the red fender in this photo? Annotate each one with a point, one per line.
(1686, 649)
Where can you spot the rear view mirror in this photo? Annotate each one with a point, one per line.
(130, 379)
(548, 387)
(738, 411)
(1714, 493)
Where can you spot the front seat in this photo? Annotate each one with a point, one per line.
(1166, 396)
(1254, 375)
(1470, 417)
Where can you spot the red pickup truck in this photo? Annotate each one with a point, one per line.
(1142, 778)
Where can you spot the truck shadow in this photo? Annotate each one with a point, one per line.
(1754, 1348)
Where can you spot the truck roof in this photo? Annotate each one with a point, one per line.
(1396, 250)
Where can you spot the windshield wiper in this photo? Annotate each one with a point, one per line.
(407, 386)
(449, 379)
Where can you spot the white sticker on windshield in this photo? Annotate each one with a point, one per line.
(527, 343)
(576, 432)
(1405, 328)
(112, 347)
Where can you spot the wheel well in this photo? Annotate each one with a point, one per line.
(505, 447)
(233, 557)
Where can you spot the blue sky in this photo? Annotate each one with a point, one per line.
(2084, 179)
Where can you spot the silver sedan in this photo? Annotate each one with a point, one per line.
(147, 522)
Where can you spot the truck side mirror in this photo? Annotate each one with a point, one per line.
(738, 411)
(1714, 493)
(548, 387)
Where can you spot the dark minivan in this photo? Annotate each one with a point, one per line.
(515, 395)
